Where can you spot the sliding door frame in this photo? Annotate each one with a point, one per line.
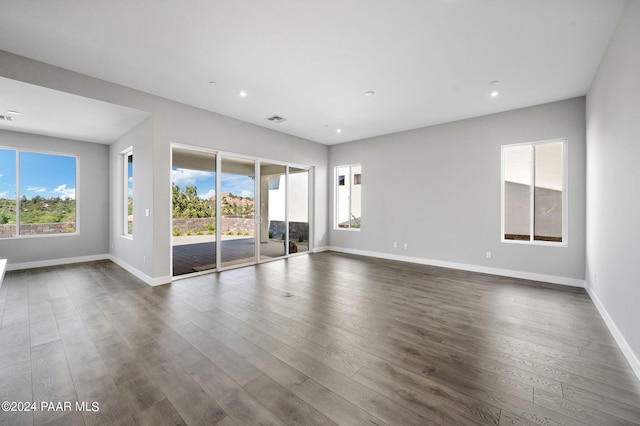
(257, 217)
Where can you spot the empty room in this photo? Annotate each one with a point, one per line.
(419, 212)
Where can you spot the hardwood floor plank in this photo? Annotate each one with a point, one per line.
(284, 403)
(15, 383)
(189, 399)
(332, 405)
(441, 404)
(362, 341)
(606, 405)
(161, 413)
(51, 379)
(583, 413)
(359, 395)
(239, 404)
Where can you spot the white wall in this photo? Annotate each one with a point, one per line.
(179, 123)
(137, 250)
(613, 178)
(438, 190)
(92, 190)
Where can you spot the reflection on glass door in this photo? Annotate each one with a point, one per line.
(193, 211)
(272, 211)
(298, 209)
(237, 224)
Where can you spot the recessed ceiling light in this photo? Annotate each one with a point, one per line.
(369, 93)
(338, 130)
(276, 119)
(243, 94)
(12, 112)
(493, 89)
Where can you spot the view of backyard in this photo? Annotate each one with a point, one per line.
(194, 215)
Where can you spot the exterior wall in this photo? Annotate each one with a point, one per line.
(7, 230)
(517, 206)
(240, 224)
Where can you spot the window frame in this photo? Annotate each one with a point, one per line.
(125, 155)
(336, 203)
(18, 195)
(565, 194)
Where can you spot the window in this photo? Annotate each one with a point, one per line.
(347, 197)
(534, 192)
(37, 192)
(127, 156)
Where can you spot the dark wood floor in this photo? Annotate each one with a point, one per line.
(360, 341)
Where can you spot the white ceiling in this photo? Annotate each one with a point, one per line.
(53, 113)
(428, 61)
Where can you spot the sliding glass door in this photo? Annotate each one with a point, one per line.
(273, 205)
(193, 211)
(237, 211)
(228, 210)
(298, 209)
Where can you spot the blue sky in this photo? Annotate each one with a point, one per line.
(206, 184)
(48, 176)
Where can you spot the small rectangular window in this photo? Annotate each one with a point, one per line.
(348, 197)
(128, 192)
(534, 192)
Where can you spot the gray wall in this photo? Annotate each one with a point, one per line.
(92, 190)
(175, 122)
(438, 190)
(613, 196)
(138, 250)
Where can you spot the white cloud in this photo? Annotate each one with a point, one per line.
(4, 194)
(210, 194)
(64, 192)
(36, 189)
(246, 193)
(186, 177)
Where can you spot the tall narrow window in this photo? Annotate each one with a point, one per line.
(348, 197)
(7, 193)
(534, 192)
(128, 192)
(37, 193)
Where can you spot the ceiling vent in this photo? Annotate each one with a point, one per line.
(6, 118)
(276, 119)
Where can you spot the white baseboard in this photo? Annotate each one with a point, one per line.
(632, 359)
(573, 282)
(139, 274)
(55, 262)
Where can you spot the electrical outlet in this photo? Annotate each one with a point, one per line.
(395, 244)
(406, 246)
(488, 254)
